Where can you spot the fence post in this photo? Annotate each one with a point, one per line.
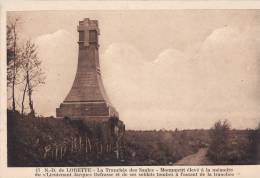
(110, 147)
(86, 150)
(72, 144)
(101, 148)
(90, 147)
(56, 152)
(61, 152)
(80, 143)
(52, 154)
(75, 144)
(107, 148)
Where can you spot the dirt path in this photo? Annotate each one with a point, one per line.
(198, 158)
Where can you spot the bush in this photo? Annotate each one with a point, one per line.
(230, 146)
(219, 142)
(255, 145)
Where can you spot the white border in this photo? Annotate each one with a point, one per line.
(244, 171)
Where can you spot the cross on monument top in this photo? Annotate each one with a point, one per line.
(86, 29)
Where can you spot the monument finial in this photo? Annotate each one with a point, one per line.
(88, 32)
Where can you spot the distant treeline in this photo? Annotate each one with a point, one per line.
(226, 146)
(163, 147)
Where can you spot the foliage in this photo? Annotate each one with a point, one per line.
(219, 138)
(162, 147)
(13, 60)
(23, 65)
(29, 138)
(32, 65)
(255, 145)
(31, 71)
(229, 146)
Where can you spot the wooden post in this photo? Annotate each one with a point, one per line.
(45, 155)
(117, 150)
(101, 148)
(75, 144)
(64, 150)
(72, 144)
(110, 147)
(52, 154)
(47, 149)
(90, 147)
(107, 148)
(61, 152)
(56, 152)
(86, 145)
(95, 146)
(80, 143)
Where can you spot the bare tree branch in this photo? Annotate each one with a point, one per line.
(33, 76)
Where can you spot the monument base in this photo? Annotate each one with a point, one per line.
(84, 110)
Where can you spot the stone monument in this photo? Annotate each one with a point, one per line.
(87, 99)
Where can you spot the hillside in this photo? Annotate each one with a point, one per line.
(29, 140)
(58, 142)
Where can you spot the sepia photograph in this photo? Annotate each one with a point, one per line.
(177, 87)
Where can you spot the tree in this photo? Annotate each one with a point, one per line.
(219, 142)
(255, 145)
(13, 63)
(33, 75)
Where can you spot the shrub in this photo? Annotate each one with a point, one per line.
(232, 147)
(219, 142)
(255, 145)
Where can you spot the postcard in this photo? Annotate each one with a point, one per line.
(130, 89)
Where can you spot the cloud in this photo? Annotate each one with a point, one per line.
(220, 81)
(216, 79)
(147, 91)
(227, 65)
(58, 52)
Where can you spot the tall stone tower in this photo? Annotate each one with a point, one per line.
(87, 98)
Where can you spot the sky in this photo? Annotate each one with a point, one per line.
(162, 69)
